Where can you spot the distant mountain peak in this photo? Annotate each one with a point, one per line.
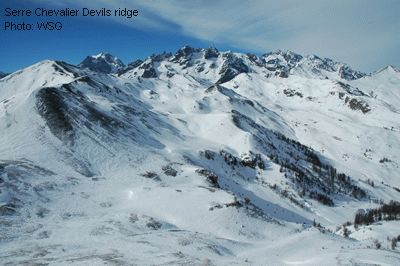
(101, 54)
(390, 68)
(281, 60)
(184, 54)
(211, 52)
(188, 49)
(287, 54)
(103, 62)
(2, 74)
(160, 57)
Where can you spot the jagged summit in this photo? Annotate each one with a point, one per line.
(221, 67)
(395, 69)
(388, 69)
(185, 52)
(103, 62)
(211, 52)
(285, 55)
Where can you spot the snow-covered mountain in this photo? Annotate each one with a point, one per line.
(198, 157)
(2, 75)
(103, 62)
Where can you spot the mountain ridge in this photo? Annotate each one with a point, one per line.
(214, 52)
(2, 74)
(103, 62)
(197, 154)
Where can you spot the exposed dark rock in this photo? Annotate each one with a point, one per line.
(273, 60)
(211, 53)
(153, 224)
(160, 57)
(211, 89)
(282, 74)
(292, 92)
(291, 57)
(184, 54)
(65, 109)
(231, 67)
(131, 66)
(211, 177)
(135, 63)
(351, 90)
(359, 105)
(53, 109)
(385, 160)
(347, 73)
(168, 170)
(235, 203)
(229, 158)
(255, 59)
(322, 64)
(209, 155)
(151, 175)
(104, 63)
(149, 71)
(200, 67)
(253, 160)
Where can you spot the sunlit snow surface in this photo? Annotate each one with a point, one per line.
(86, 159)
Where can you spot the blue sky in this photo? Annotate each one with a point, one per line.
(363, 33)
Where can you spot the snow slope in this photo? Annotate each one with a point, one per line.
(198, 157)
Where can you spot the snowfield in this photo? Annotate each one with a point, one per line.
(200, 157)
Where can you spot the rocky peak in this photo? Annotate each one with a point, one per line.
(131, 66)
(279, 63)
(392, 68)
(135, 63)
(291, 57)
(255, 60)
(103, 62)
(389, 69)
(183, 55)
(317, 63)
(281, 60)
(347, 73)
(160, 57)
(232, 66)
(211, 52)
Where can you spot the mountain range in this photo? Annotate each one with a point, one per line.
(200, 157)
